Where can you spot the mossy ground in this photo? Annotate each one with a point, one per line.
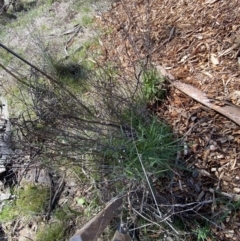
(30, 200)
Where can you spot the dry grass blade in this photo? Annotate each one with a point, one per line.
(153, 195)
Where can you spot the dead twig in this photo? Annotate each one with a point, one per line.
(230, 111)
(54, 197)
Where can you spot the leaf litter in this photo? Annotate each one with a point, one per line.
(202, 52)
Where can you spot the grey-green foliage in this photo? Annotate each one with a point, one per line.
(153, 85)
(203, 233)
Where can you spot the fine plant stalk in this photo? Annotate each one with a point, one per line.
(150, 187)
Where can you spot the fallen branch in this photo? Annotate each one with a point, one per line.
(94, 228)
(230, 111)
